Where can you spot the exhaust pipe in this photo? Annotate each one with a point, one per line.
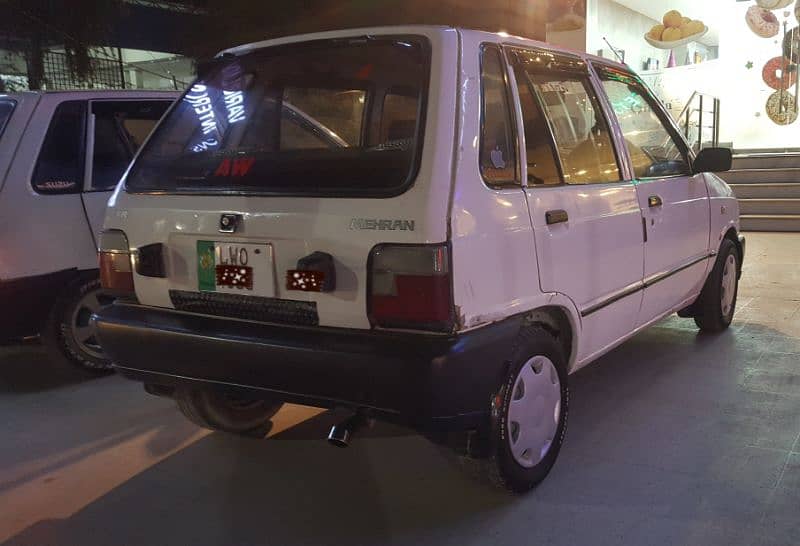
(341, 434)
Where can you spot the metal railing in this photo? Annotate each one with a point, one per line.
(700, 125)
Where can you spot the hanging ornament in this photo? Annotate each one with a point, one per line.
(779, 73)
(774, 4)
(782, 108)
(762, 22)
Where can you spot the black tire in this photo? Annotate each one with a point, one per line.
(67, 333)
(501, 467)
(709, 313)
(215, 410)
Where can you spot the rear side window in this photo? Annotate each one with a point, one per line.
(60, 165)
(331, 117)
(497, 157)
(6, 108)
(120, 127)
(540, 155)
(653, 149)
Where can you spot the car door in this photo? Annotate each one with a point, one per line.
(115, 130)
(585, 215)
(674, 202)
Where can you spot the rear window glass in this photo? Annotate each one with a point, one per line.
(332, 117)
(6, 107)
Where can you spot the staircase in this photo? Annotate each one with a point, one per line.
(768, 187)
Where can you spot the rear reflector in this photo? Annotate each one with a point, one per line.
(116, 273)
(410, 287)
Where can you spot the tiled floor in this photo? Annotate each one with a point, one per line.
(674, 438)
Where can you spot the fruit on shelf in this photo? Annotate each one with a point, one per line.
(675, 27)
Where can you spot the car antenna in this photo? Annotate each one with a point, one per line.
(616, 53)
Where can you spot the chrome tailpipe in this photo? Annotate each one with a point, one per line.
(341, 434)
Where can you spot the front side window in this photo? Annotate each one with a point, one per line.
(120, 127)
(578, 127)
(497, 155)
(6, 108)
(60, 165)
(331, 117)
(654, 151)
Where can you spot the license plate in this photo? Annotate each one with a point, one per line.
(235, 267)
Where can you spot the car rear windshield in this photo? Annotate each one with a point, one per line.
(332, 118)
(6, 108)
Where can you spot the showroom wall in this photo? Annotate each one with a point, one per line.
(736, 78)
(623, 28)
(733, 58)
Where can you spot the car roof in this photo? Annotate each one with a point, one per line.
(498, 37)
(95, 93)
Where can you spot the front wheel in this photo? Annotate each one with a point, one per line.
(716, 305)
(225, 412)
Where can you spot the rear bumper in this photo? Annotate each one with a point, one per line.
(425, 381)
(26, 302)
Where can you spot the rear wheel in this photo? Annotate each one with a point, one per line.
(716, 305)
(225, 412)
(69, 334)
(530, 413)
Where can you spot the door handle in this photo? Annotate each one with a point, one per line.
(556, 217)
(654, 201)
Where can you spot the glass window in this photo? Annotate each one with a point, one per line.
(399, 115)
(579, 129)
(653, 150)
(6, 108)
(321, 118)
(120, 127)
(497, 154)
(541, 158)
(60, 166)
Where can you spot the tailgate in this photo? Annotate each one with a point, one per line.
(274, 164)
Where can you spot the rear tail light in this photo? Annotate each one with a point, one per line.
(410, 287)
(116, 272)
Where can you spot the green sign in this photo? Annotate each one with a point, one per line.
(206, 266)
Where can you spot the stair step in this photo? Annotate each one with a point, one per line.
(766, 161)
(761, 176)
(767, 191)
(770, 222)
(769, 206)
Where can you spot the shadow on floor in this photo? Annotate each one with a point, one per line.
(26, 367)
(660, 449)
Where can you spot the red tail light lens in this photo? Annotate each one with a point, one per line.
(410, 287)
(116, 272)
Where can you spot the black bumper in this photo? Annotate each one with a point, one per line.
(742, 251)
(418, 380)
(26, 302)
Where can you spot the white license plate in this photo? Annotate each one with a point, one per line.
(241, 268)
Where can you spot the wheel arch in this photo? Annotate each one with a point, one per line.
(561, 323)
(733, 236)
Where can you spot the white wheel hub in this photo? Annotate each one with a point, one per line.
(534, 411)
(728, 291)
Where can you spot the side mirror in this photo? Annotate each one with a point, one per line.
(713, 160)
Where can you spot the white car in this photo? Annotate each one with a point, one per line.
(500, 215)
(61, 154)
